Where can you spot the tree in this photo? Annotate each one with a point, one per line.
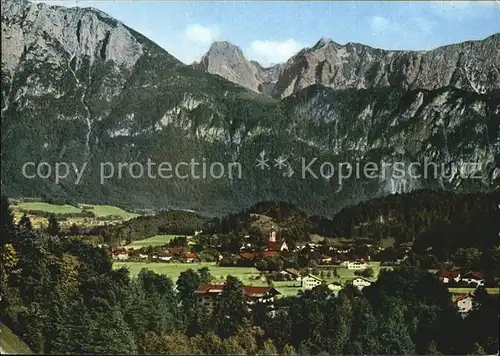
(53, 229)
(288, 350)
(173, 344)
(7, 230)
(187, 283)
(368, 272)
(9, 260)
(25, 223)
(478, 350)
(268, 349)
(230, 309)
(467, 258)
(205, 276)
(74, 229)
(394, 337)
(432, 350)
(261, 265)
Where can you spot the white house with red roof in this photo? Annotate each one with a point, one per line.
(324, 259)
(120, 254)
(357, 265)
(207, 295)
(464, 303)
(475, 278)
(448, 276)
(310, 281)
(164, 256)
(190, 257)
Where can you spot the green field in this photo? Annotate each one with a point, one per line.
(98, 210)
(114, 214)
(492, 291)
(10, 343)
(109, 210)
(157, 240)
(345, 275)
(248, 275)
(49, 208)
(173, 270)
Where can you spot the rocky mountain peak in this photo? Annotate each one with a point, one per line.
(225, 48)
(325, 42)
(227, 60)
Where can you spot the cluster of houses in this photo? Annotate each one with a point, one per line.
(310, 281)
(343, 257)
(475, 279)
(465, 303)
(167, 255)
(207, 295)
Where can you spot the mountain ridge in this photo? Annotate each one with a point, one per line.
(86, 89)
(331, 64)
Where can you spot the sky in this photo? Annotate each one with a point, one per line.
(272, 31)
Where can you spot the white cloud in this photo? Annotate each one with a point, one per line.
(379, 23)
(201, 34)
(271, 52)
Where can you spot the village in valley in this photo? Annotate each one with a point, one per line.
(266, 266)
(269, 255)
(271, 270)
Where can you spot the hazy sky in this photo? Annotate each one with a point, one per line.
(271, 32)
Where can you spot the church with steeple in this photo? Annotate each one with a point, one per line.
(274, 244)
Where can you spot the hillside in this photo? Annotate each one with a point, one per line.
(80, 87)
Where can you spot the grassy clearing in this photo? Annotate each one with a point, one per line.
(492, 291)
(114, 213)
(49, 208)
(109, 210)
(157, 240)
(173, 270)
(345, 275)
(248, 275)
(10, 343)
(387, 242)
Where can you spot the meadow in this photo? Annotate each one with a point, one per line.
(101, 211)
(157, 240)
(462, 291)
(104, 214)
(49, 208)
(248, 275)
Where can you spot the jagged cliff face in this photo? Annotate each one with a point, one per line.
(471, 65)
(228, 61)
(82, 88)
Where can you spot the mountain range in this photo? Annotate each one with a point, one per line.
(471, 65)
(81, 87)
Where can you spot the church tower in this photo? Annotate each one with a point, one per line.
(272, 235)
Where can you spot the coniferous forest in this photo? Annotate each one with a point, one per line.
(61, 295)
